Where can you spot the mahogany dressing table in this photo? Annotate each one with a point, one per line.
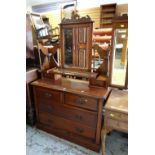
(71, 108)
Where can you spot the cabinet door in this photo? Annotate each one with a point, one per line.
(82, 47)
(76, 46)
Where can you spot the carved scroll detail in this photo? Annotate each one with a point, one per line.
(76, 18)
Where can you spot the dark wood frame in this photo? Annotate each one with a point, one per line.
(117, 22)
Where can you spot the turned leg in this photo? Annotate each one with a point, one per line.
(103, 138)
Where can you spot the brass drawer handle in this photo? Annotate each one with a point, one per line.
(48, 94)
(80, 130)
(46, 108)
(78, 117)
(112, 115)
(49, 109)
(50, 121)
(81, 101)
(47, 125)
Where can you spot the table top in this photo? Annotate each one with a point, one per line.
(118, 101)
(73, 86)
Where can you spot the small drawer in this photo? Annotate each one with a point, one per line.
(58, 123)
(117, 115)
(118, 125)
(81, 101)
(47, 95)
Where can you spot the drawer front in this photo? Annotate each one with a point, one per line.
(119, 125)
(48, 95)
(81, 101)
(79, 115)
(117, 115)
(58, 123)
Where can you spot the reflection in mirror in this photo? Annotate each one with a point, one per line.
(120, 57)
(68, 43)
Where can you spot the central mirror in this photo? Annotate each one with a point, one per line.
(68, 43)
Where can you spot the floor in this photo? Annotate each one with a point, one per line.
(41, 143)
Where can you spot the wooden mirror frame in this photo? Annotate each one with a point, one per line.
(118, 22)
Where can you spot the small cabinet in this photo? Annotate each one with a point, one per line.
(76, 43)
(119, 56)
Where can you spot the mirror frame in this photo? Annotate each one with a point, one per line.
(118, 22)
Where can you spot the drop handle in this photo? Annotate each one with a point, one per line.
(49, 109)
(112, 115)
(46, 108)
(78, 117)
(48, 94)
(81, 101)
(80, 130)
(50, 121)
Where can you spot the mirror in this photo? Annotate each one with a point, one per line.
(120, 57)
(39, 25)
(68, 46)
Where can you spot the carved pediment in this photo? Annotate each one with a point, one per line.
(76, 18)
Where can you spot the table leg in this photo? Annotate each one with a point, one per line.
(103, 138)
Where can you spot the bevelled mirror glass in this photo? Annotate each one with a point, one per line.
(120, 57)
(68, 46)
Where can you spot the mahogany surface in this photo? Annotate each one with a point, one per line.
(73, 86)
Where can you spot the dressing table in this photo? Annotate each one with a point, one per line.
(68, 100)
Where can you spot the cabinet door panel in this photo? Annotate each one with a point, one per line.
(82, 58)
(82, 47)
(82, 35)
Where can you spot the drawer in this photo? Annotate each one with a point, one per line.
(115, 124)
(81, 101)
(58, 123)
(75, 114)
(48, 95)
(116, 115)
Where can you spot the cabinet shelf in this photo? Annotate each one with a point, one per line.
(108, 11)
(106, 15)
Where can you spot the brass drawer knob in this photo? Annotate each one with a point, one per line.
(112, 115)
(78, 117)
(50, 121)
(81, 100)
(48, 94)
(80, 130)
(46, 108)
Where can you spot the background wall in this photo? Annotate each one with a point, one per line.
(94, 13)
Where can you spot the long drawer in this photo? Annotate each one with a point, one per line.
(48, 95)
(81, 101)
(117, 124)
(59, 123)
(117, 115)
(72, 113)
